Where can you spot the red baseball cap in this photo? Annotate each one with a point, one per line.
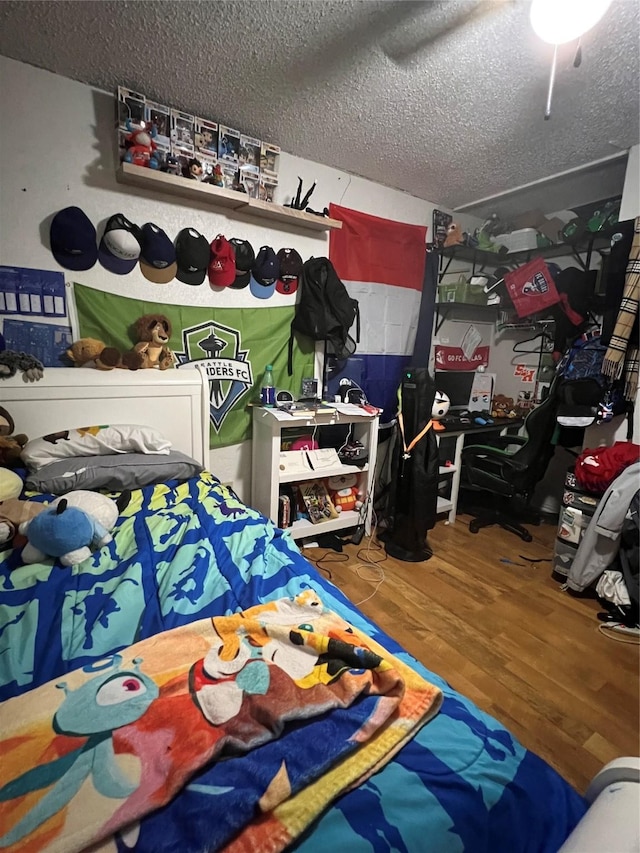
(222, 264)
(290, 271)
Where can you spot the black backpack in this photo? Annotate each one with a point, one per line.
(325, 311)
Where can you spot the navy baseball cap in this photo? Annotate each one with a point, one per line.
(157, 256)
(245, 259)
(119, 249)
(264, 274)
(192, 256)
(73, 239)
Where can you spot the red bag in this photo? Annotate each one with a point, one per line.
(531, 288)
(597, 469)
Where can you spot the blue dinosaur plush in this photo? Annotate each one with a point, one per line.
(63, 531)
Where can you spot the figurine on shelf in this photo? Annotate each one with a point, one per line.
(172, 165)
(193, 169)
(454, 235)
(141, 146)
(215, 177)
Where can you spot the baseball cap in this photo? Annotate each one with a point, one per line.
(290, 271)
(192, 256)
(222, 263)
(264, 273)
(119, 248)
(245, 259)
(73, 239)
(157, 256)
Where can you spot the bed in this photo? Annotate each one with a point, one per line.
(185, 552)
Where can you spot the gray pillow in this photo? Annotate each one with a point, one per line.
(115, 472)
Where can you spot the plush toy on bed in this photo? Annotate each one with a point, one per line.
(153, 332)
(86, 350)
(10, 445)
(70, 527)
(344, 492)
(14, 512)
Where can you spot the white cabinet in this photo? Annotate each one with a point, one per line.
(266, 476)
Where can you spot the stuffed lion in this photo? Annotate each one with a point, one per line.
(153, 332)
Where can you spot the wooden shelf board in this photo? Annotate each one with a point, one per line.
(162, 182)
(332, 471)
(447, 469)
(444, 505)
(302, 528)
(150, 179)
(290, 216)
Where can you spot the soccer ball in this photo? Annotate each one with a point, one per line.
(441, 405)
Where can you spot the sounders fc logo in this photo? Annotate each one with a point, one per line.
(217, 348)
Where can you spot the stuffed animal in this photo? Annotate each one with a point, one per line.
(11, 362)
(10, 445)
(454, 235)
(141, 145)
(87, 350)
(502, 407)
(153, 332)
(14, 512)
(344, 492)
(70, 527)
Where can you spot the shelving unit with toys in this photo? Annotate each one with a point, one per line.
(266, 476)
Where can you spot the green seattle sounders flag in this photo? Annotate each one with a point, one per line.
(237, 343)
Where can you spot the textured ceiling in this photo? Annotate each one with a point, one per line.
(441, 99)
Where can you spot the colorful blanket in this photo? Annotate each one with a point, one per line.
(186, 552)
(119, 739)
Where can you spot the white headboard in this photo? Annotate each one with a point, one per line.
(175, 402)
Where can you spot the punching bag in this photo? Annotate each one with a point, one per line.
(414, 470)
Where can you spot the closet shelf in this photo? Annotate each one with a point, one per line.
(149, 179)
(481, 258)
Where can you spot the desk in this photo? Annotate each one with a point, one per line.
(500, 425)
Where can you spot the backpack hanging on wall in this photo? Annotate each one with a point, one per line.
(325, 311)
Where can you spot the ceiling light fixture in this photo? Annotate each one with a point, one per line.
(561, 21)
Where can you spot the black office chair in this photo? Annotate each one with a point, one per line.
(511, 476)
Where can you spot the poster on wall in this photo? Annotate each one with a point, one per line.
(234, 343)
(45, 341)
(453, 358)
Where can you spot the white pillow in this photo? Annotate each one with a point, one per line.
(93, 441)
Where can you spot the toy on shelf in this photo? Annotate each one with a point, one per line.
(193, 170)
(86, 350)
(344, 492)
(153, 332)
(70, 527)
(10, 445)
(141, 146)
(11, 362)
(216, 178)
(455, 236)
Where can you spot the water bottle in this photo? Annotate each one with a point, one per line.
(268, 389)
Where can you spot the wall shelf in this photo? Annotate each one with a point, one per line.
(150, 179)
(481, 258)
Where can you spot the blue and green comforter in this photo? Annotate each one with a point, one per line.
(190, 551)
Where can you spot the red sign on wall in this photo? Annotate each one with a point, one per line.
(452, 358)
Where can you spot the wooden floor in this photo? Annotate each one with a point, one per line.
(510, 639)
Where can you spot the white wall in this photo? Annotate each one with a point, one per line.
(57, 141)
(630, 206)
